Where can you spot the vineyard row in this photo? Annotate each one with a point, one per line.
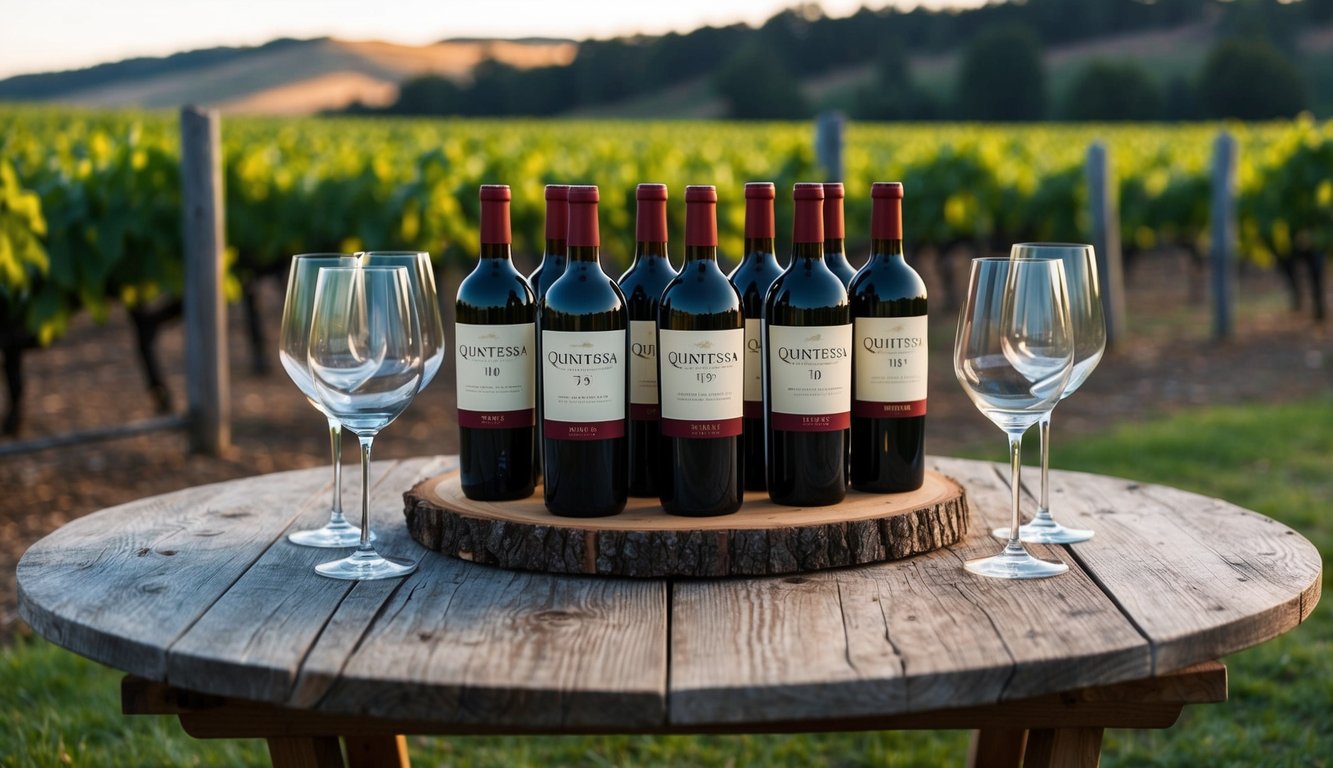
(90, 201)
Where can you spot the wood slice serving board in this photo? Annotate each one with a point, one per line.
(643, 541)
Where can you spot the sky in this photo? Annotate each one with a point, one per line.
(49, 35)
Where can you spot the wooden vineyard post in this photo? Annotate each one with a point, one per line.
(1222, 233)
(828, 144)
(1106, 239)
(206, 369)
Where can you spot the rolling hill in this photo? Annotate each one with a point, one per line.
(281, 77)
(310, 76)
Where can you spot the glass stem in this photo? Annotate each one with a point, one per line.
(365, 441)
(1015, 545)
(1044, 506)
(336, 445)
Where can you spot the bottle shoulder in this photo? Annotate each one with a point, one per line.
(647, 274)
(756, 270)
(701, 289)
(807, 286)
(886, 281)
(495, 285)
(584, 289)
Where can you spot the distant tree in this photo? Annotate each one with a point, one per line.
(1182, 99)
(757, 85)
(892, 94)
(1106, 90)
(430, 95)
(1002, 76)
(1250, 80)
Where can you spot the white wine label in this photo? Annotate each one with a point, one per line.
(495, 375)
(702, 373)
(583, 385)
(810, 377)
(890, 361)
(643, 370)
(754, 369)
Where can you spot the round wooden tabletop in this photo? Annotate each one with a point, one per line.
(200, 590)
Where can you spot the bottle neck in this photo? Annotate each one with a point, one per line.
(760, 248)
(807, 251)
(583, 236)
(555, 250)
(835, 248)
(496, 251)
(696, 253)
(584, 254)
(557, 220)
(885, 249)
(647, 250)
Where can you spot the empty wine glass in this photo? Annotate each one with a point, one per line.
(1013, 355)
(292, 351)
(366, 363)
(422, 275)
(1089, 326)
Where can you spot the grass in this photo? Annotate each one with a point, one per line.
(60, 710)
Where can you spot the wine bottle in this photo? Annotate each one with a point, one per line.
(835, 243)
(552, 266)
(752, 278)
(889, 357)
(807, 367)
(701, 354)
(495, 339)
(642, 286)
(553, 257)
(583, 325)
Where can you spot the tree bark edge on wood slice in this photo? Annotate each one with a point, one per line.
(763, 538)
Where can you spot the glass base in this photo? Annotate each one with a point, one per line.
(1044, 530)
(331, 536)
(365, 565)
(1014, 563)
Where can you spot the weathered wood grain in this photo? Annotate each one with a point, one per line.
(120, 586)
(644, 542)
(1200, 577)
(198, 586)
(897, 637)
(251, 642)
(465, 643)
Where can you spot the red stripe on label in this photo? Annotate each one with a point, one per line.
(701, 429)
(754, 409)
(645, 411)
(811, 422)
(867, 409)
(583, 430)
(496, 419)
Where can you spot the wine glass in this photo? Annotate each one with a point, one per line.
(1085, 314)
(1012, 355)
(292, 351)
(366, 363)
(422, 276)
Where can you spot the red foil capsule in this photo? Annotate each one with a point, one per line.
(886, 222)
(495, 214)
(583, 230)
(759, 197)
(651, 219)
(808, 223)
(701, 216)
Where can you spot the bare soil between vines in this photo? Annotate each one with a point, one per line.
(1167, 361)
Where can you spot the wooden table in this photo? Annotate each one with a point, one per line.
(217, 619)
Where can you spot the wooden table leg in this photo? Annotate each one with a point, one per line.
(369, 751)
(305, 752)
(997, 748)
(1073, 747)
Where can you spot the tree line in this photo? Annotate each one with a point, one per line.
(757, 72)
